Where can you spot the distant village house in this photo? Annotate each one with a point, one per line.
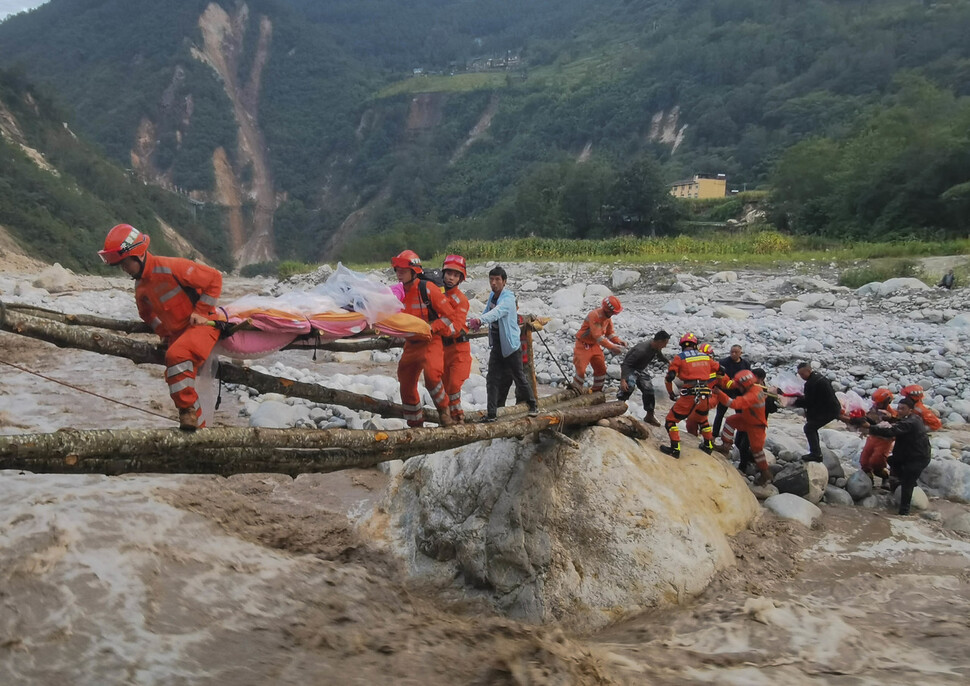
(700, 186)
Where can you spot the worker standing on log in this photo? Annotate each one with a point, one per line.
(457, 349)
(595, 334)
(423, 299)
(505, 359)
(177, 298)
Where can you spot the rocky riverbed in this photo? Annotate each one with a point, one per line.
(367, 574)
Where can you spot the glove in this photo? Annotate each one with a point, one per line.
(670, 394)
(474, 324)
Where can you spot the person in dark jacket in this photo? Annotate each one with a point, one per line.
(911, 452)
(633, 373)
(820, 405)
(730, 365)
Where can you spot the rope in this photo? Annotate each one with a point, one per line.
(83, 390)
(565, 377)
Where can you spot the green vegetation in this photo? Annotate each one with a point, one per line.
(860, 276)
(856, 113)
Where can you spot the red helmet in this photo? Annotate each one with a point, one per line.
(123, 241)
(745, 379)
(914, 391)
(882, 396)
(688, 339)
(706, 349)
(612, 305)
(408, 259)
(456, 263)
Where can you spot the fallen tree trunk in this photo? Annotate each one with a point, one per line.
(228, 451)
(141, 352)
(123, 325)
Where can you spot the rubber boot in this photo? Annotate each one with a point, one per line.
(444, 418)
(649, 418)
(724, 449)
(188, 419)
(764, 478)
(707, 446)
(672, 450)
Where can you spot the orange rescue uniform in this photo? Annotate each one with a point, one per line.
(457, 353)
(424, 355)
(751, 418)
(169, 291)
(596, 331)
(875, 453)
(696, 370)
(929, 417)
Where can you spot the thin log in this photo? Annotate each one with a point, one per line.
(228, 451)
(123, 325)
(356, 345)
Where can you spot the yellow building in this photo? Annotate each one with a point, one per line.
(701, 186)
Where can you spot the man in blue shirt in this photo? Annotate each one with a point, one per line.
(505, 359)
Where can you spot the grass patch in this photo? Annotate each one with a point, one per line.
(459, 83)
(860, 276)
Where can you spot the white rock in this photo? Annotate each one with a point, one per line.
(56, 279)
(960, 321)
(948, 479)
(788, 506)
(272, 414)
(818, 479)
(624, 278)
(891, 286)
(942, 369)
(728, 312)
(724, 277)
(560, 539)
(569, 299)
(919, 501)
(792, 307)
(674, 306)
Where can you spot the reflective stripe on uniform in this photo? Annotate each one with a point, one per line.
(162, 270)
(179, 368)
(181, 385)
(455, 397)
(156, 322)
(208, 300)
(171, 294)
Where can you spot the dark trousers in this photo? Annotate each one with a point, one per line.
(906, 486)
(744, 449)
(502, 372)
(811, 433)
(642, 381)
(718, 418)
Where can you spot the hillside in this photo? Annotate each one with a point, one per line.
(351, 126)
(59, 196)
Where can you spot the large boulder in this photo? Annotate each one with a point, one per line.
(793, 479)
(859, 485)
(576, 536)
(789, 506)
(818, 479)
(56, 279)
(569, 299)
(948, 479)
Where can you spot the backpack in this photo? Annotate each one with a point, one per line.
(435, 278)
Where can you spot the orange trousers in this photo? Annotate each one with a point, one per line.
(187, 352)
(421, 357)
(756, 438)
(457, 368)
(694, 409)
(584, 355)
(875, 454)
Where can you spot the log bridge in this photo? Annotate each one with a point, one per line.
(231, 450)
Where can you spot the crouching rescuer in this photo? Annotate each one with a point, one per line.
(751, 417)
(177, 298)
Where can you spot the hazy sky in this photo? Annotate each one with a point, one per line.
(14, 6)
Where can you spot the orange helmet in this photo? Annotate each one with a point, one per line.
(914, 391)
(745, 379)
(123, 241)
(688, 339)
(408, 259)
(456, 263)
(882, 396)
(612, 305)
(706, 349)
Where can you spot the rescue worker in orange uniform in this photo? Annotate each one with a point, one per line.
(694, 369)
(751, 417)
(875, 453)
(595, 334)
(929, 417)
(457, 349)
(177, 298)
(718, 379)
(423, 299)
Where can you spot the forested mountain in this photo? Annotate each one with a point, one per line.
(59, 196)
(351, 127)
